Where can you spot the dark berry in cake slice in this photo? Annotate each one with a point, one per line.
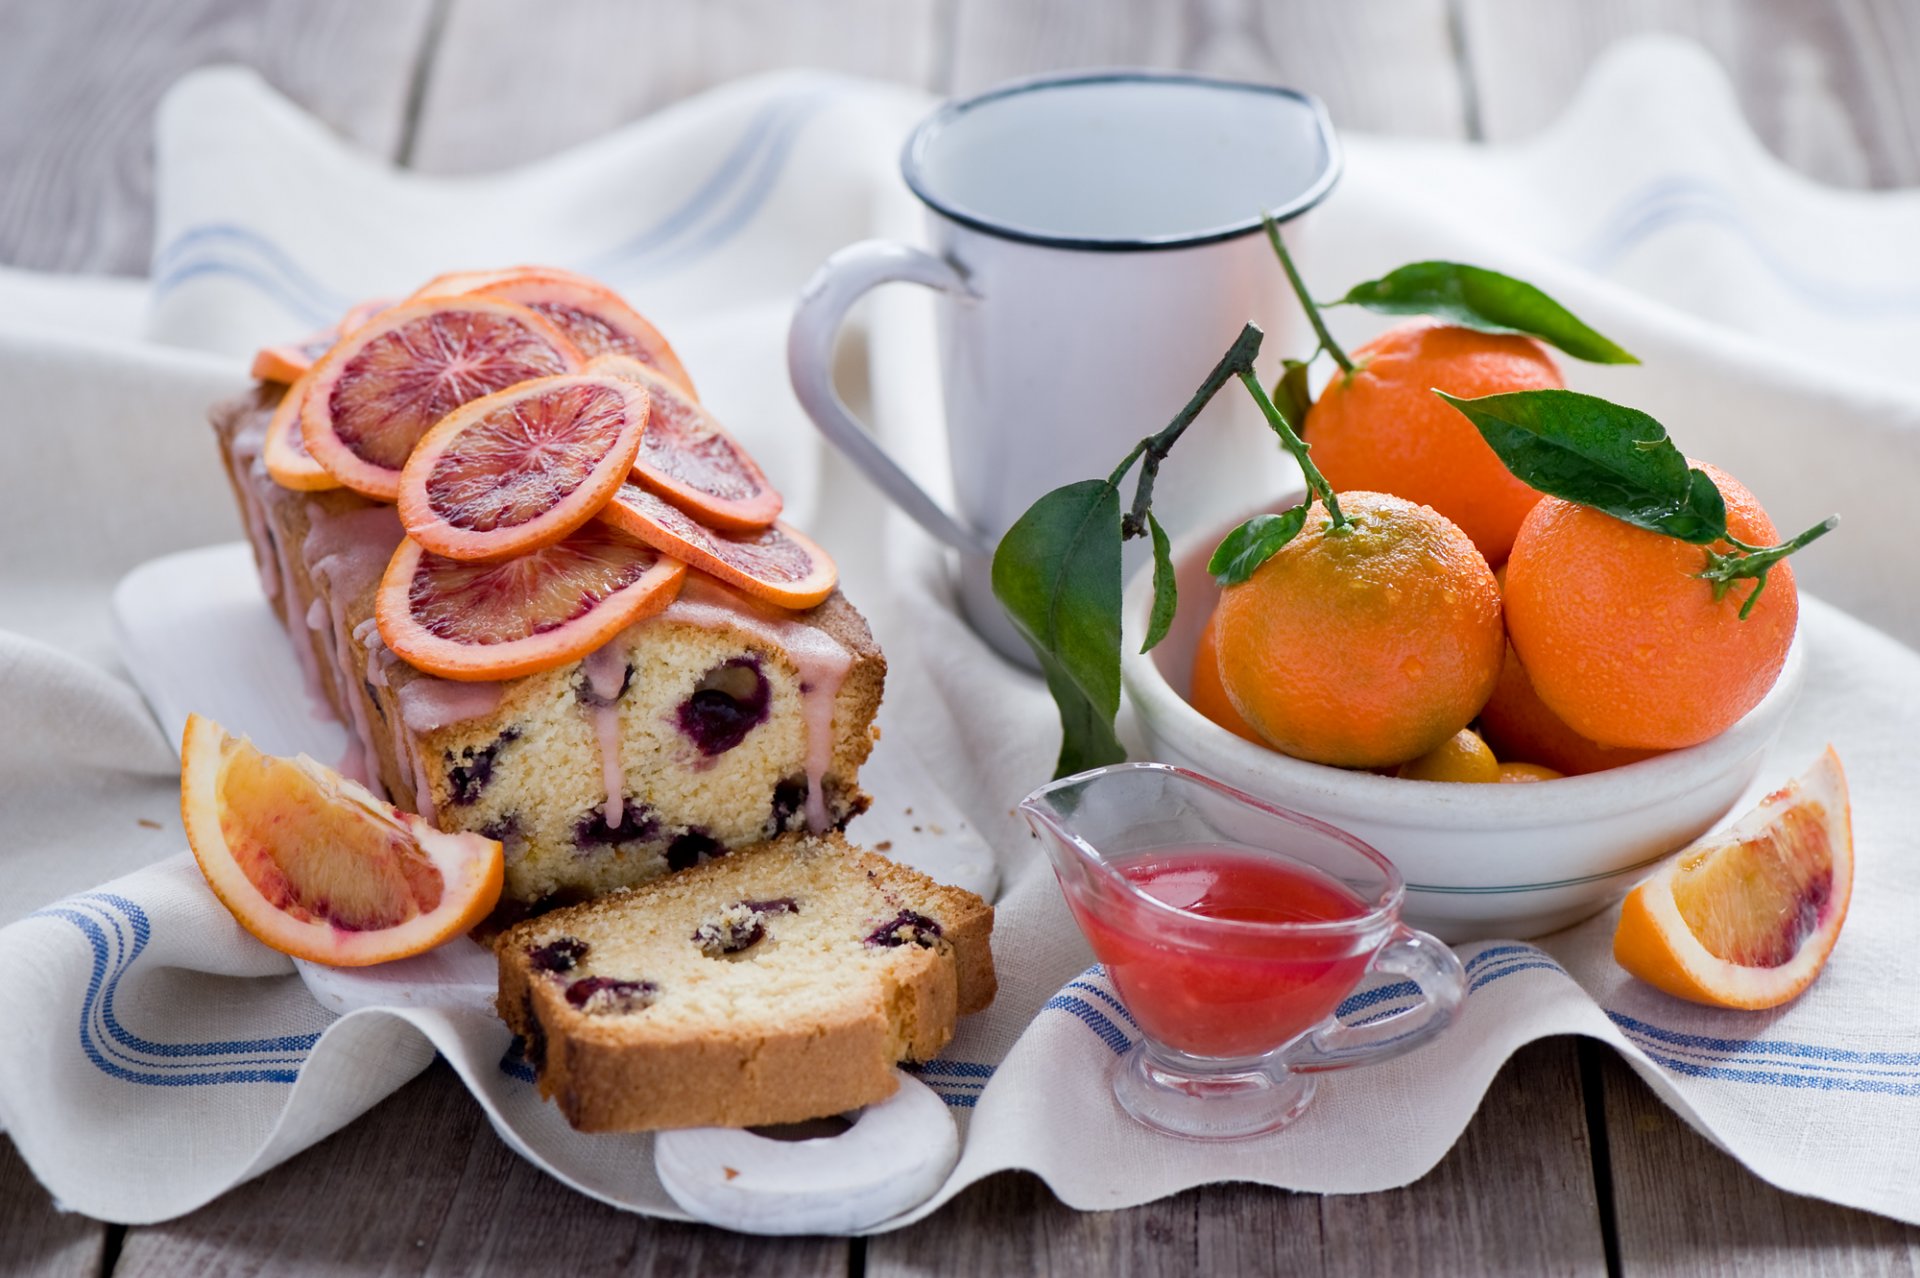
(638, 824)
(740, 926)
(689, 849)
(471, 769)
(608, 995)
(905, 928)
(730, 701)
(556, 956)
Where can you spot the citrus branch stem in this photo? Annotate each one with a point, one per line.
(1755, 562)
(1307, 303)
(1237, 362)
(1291, 441)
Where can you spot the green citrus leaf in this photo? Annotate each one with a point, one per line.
(1166, 591)
(1600, 454)
(1244, 549)
(1057, 574)
(1475, 297)
(1290, 394)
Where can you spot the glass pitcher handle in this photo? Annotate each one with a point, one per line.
(1430, 965)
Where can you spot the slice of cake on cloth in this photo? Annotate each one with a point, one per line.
(780, 983)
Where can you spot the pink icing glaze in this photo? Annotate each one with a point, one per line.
(427, 704)
(818, 657)
(606, 671)
(347, 552)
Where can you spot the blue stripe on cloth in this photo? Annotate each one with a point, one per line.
(514, 1063)
(228, 248)
(1105, 996)
(964, 1069)
(725, 224)
(660, 235)
(107, 969)
(1096, 1020)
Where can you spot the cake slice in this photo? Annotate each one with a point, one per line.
(719, 722)
(778, 984)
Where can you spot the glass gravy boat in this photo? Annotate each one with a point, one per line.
(1232, 930)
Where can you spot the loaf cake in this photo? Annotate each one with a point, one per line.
(778, 984)
(718, 722)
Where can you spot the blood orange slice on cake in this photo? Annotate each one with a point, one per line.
(776, 564)
(689, 458)
(316, 866)
(288, 360)
(387, 383)
(595, 317)
(501, 618)
(523, 467)
(285, 451)
(1747, 918)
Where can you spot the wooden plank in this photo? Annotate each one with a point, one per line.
(1831, 88)
(79, 81)
(1684, 1208)
(1381, 65)
(583, 68)
(35, 1236)
(1514, 1196)
(421, 1184)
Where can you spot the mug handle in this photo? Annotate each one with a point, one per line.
(1430, 965)
(840, 282)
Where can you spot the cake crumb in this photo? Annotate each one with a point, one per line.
(147, 824)
(936, 829)
(884, 845)
(731, 1173)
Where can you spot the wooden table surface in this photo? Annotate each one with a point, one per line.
(1570, 1167)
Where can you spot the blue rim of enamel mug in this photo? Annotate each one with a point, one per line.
(913, 154)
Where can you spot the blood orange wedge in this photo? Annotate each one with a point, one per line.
(590, 313)
(776, 564)
(523, 467)
(1747, 918)
(389, 381)
(689, 458)
(285, 451)
(315, 866)
(508, 617)
(288, 360)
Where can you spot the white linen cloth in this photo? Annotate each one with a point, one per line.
(1776, 320)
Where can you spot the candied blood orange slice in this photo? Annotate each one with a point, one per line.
(776, 564)
(587, 311)
(317, 867)
(502, 618)
(387, 383)
(689, 458)
(285, 362)
(1748, 917)
(285, 452)
(523, 467)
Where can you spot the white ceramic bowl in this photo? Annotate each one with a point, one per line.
(1479, 860)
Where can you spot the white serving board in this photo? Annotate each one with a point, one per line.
(198, 636)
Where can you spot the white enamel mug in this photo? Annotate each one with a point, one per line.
(1097, 245)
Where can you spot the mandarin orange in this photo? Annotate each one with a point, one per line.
(1381, 427)
(1622, 639)
(1367, 646)
(1519, 726)
(1206, 693)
